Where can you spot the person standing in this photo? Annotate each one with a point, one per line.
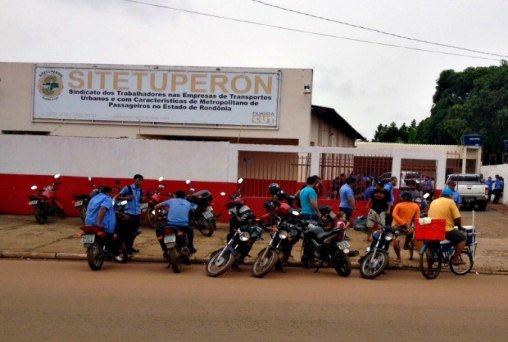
(378, 206)
(498, 188)
(455, 194)
(404, 214)
(489, 183)
(390, 186)
(309, 199)
(134, 195)
(347, 198)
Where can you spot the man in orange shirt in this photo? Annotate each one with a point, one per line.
(404, 214)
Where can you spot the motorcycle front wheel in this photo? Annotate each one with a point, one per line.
(342, 264)
(464, 268)
(95, 256)
(173, 260)
(373, 264)
(40, 216)
(206, 226)
(219, 264)
(265, 262)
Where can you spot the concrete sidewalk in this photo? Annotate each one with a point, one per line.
(22, 237)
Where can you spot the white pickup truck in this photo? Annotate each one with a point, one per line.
(473, 191)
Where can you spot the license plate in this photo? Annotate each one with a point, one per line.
(169, 238)
(343, 245)
(144, 205)
(88, 239)
(78, 203)
(207, 214)
(34, 202)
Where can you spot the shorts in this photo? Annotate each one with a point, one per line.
(375, 220)
(455, 236)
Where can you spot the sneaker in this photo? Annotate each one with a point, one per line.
(119, 258)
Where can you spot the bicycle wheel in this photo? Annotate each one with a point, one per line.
(464, 268)
(430, 263)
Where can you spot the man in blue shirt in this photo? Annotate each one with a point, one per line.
(498, 188)
(347, 198)
(178, 217)
(101, 213)
(489, 182)
(390, 187)
(456, 195)
(134, 195)
(309, 199)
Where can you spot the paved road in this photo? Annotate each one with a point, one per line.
(64, 300)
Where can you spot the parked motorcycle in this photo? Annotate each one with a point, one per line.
(100, 247)
(202, 217)
(376, 259)
(177, 248)
(153, 218)
(323, 247)
(45, 202)
(285, 233)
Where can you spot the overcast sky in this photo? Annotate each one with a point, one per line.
(366, 83)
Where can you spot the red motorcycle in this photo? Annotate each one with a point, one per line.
(45, 202)
(154, 219)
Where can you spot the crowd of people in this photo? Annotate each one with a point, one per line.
(495, 187)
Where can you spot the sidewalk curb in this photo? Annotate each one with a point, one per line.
(196, 261)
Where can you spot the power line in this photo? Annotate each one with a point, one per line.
(306, 32)
(376, 30)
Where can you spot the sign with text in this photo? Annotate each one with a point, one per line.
(157, 96)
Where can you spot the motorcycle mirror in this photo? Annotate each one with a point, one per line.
(57, 176)
(187, 181)
(33, 187)
(223, 193)
(240, 180)
(161, 179)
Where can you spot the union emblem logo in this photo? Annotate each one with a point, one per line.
(50, 84)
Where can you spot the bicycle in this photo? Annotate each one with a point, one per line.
(436, 253)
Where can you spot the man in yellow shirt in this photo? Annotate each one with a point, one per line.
(445, 208)
(404, 214)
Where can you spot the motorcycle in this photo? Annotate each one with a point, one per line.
(155, 219)
(202, 217)
(177, 248)
(99, 246)
(45, 202)
(285, 233)
(240, 240)
(375, 261)
(326, 247)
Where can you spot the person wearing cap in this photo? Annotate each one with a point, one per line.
(309, 198)
(455, 196)
(445, 208)
(378, 206)
(404, 214)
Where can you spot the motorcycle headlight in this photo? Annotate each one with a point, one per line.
(244, 236)
(346, 250)
(283, 234)
(389, 237)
